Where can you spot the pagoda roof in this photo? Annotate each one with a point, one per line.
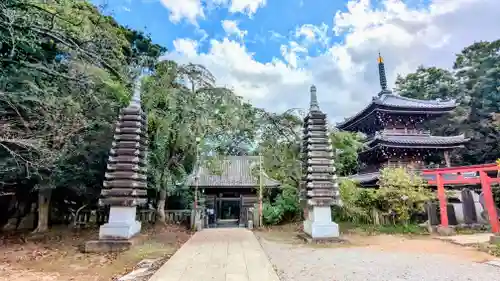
(235, 171)
(370, 177)
(424, 141)
(365, 178)
(389, 102)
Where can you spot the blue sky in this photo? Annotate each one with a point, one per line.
(271, 51)
(277, 17)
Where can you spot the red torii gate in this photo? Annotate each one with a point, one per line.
(458, 178)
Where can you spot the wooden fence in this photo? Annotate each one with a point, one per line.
(87, 217)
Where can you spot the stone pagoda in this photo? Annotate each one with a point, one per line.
(124, 186)
(319, 187)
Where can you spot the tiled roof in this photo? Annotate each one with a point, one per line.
(369, 177)
(362, 178)
(399, 101)
(236, 171)
(393, 100)
(426, 140)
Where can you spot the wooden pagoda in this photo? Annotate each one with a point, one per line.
(396, 136)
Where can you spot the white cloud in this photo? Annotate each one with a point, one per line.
(191, 10)
(276, 36)
(186, 47)
(248, 7)
(234, 66)
(346, 73)
(291, 53)
(312, 33)
(231, 28)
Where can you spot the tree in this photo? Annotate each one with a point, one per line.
(478, 70)
(474, 84)
(64, 72)
(183, 105)
(346, 146)
(428, 84)
(279, 144)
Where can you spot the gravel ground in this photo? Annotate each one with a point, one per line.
(299, 263)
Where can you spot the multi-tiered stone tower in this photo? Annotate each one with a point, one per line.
(319, 186)
(124, 186)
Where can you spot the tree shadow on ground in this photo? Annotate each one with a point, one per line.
(56, 256)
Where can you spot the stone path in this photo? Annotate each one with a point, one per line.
(467, 239)
(231, 254)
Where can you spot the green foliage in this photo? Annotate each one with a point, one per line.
(271, 215)
(475, 85)
(285, 208)
(65, 70)
(184, 106)
(280, 146)
(400, 195)
(347, 146)
(428, 84)
(408, 229)
(356, 203)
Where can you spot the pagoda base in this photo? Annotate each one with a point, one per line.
(121, 224)
(319, 225)
(107, 246)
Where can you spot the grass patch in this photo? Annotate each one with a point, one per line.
(407, 229)
(492, 249)
(465, 231)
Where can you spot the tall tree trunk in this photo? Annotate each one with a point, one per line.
(43, 209)
(160, 209)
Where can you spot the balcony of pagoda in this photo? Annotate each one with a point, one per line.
(400, 132)
(412, 166)
(407, 165)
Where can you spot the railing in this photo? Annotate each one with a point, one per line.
(405, 132)
(177, 216)
(412, 166)
(86, 217)
(400, 132)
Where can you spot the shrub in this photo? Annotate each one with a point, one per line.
(271, 214)
(285, 207)
(355, 203)
(400, 195)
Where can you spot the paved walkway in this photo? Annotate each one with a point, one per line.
(467, 239)
(231, 254)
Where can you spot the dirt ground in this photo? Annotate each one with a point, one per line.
(56, 255)
(385, 243)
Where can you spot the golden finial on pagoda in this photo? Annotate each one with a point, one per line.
(381, 73)
(380, 59)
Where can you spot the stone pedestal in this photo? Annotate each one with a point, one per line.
(121, 224)
(495, 239)
(445, 230)
(116, 234)
(319, 225)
